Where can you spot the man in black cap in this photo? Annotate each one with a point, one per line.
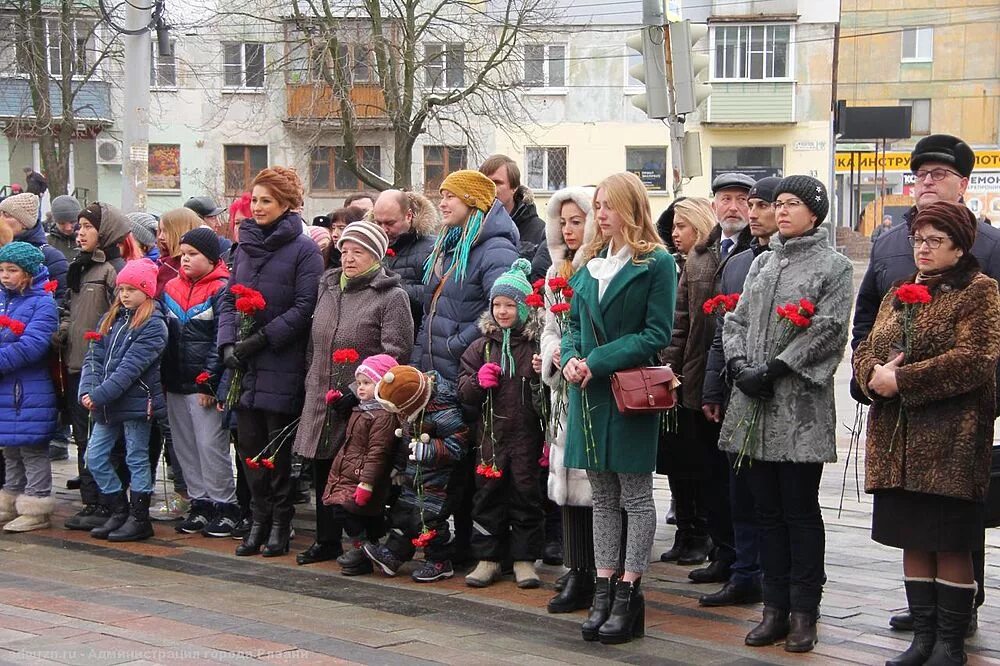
(209, 213)
(942, 165)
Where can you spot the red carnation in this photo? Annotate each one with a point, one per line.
(4, 321)
(252, 463)
(807, 306)
(913, 294)
(559, 308)
(567, 293)
(534, 301)
(538, 284)
(333, 395)
(390, 252)
(557, 283)
(91, 336)
(51, 286)
(345, 356)
(203, 377)
(708, 307)
(16, 327)
(239, 289)
(731, 301)
(268, 463)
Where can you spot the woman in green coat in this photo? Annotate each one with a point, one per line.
(621, 315)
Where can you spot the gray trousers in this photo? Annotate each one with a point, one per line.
(28, 470)
(201, 444)
(613, 492)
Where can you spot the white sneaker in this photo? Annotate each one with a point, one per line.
(485, 574)
(525, 575)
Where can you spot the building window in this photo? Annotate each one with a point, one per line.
(545, 168)
(243, 65)
(918, 44)
(355, 61)
(752, 52)
(162, 68)
(444, 65)
(439, 161)
(545, 65)
(756, 162)
(164, 167)
(242, 164)
(81, 37)
(329, 173)
(920, 115)
(650, 165)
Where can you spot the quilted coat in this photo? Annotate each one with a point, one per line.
(799, 424)
(192, 321)
(366, 457)
(285, 266)
(27, 396)
(947, 388)
(121, 373)
(451, 307)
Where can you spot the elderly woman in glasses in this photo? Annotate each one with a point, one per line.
(928, 367)
(781, 420)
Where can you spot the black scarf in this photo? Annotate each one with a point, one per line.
(85, 260)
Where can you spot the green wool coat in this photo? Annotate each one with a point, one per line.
(634, 321)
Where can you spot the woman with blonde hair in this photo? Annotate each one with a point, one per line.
(694, 222)
(173, 224)
(621, 316)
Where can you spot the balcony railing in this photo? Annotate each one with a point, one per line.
(318, 102)
(91, 104)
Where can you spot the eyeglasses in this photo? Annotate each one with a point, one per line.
(935, 174)
(790, 204)
(933, 242)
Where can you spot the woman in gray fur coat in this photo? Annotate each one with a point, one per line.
(794, 433)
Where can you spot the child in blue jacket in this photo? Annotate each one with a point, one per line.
(28, 318)
(120, 386)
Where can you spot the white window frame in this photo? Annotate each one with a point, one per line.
(442, 58)
(48, 22)
(922, 131)
(927, 32)
(154, 64)
(243, 87)
(545, 167)
(790, 57)
(546, 88)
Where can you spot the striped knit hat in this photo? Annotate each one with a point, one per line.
(368, 235)
(514, 285)
(375, 367)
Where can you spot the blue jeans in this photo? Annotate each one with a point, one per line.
(102, 441)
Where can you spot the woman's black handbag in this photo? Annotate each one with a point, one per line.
(992, 518)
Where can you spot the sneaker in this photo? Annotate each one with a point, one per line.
(431, 571)
(242, 528)
(223, 521)
(197, 519)
(383, 557)
(91, 516)
(353, 558)
(172, 508)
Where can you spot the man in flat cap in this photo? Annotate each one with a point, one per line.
(942, 165)
(210, 214)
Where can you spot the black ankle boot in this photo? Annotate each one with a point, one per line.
(921, 596)
(117, 504)
(954, 612)
(600, 609)
(577, 592)
(137, 527)
(255, 538)
(277, 541)
(628, 615)
(695, 550)
(772, 628)
(680, 541)
(801, 631)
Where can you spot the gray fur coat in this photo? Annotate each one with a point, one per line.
(799, 423)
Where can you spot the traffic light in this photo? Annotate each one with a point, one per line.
(652, 71)
(686, 65)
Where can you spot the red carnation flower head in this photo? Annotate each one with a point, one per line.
(808, 307)
(731, 301)
(913, 294)
(91, 336)
(345, 356)
(239, 289)
(708, 307)
(534, 301)
(268, 463)
(559, 308)
(333, 395)
(558, 283)
(390, 252)
(568, 292)
(203, 377)
(4, 321)
(16, 327)
(51, 286)
(538, 284)
(252, 463)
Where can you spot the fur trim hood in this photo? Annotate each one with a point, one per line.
(426, 219)
(531, 331)
(582, 197)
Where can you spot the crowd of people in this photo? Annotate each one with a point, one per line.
(455, 379)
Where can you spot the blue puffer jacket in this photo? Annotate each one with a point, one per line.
(27, 398)
(55, 260)
(285, 266)
(451, 310)
(122, 370)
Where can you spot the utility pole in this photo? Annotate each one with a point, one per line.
(135, 150)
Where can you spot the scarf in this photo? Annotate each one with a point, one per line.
(458, 241)
(83, 261)
(344, 280)
(604, 269)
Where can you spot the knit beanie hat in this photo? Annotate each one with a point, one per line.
(404, 390)
(375, 367)
(141, 230)
(473, 188)
(366, 234)
(764, 189)
(140, 274)
(205, 241)
(22, 207)
(92, 213)
(810, 191)
(25, 255)
(954, 219)
(318, 233)
(514, 285)
(65, 209)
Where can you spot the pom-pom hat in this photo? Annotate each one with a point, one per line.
(514, 285)
(404, 390)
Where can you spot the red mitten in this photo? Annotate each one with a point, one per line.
(489, 376)
(362, 494)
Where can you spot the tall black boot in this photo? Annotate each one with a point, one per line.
(600, 609)
(921, 597)
(772, 628)
(577, 592)
(628, 615)
(277, 541)
(802, 635)
(117, 504)
(255, 538)
(954, 612)
(137, 527)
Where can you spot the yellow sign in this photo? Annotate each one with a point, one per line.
(985, 160)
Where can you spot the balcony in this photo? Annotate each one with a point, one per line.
(752, 103)
(91, 105)
(317, 102)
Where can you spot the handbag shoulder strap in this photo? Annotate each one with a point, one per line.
(590, 317)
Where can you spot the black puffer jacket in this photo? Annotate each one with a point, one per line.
(411, 250)
(529, 225)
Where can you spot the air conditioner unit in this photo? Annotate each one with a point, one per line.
(109, 151)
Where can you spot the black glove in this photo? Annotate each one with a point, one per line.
(758, 381)
(733, 369)
(858, 394)
(251, 346)
(345, 403)
(229, 358)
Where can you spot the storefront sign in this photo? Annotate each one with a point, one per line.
(900, 161)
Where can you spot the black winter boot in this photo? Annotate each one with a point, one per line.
(117, 504)
(577, 592)
(954, 612)
(278, 540)
(137, 527)
(695, 550)
(801, 631)
(628, 615)
(772, 628)
(89, 517)
(672, 555)
(255, 538)
(921, 596)
(600, 609)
